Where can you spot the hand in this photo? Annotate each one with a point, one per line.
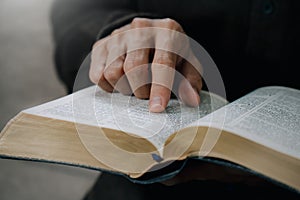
(120, 62)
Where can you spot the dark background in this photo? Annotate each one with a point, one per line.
(28, 78)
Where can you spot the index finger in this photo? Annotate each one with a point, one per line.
(163, 72)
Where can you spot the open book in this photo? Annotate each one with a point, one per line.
(110, 132)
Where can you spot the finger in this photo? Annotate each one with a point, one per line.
(98, 60)
(163, 71)
(121, 29)
(167, 23)
(189, 88)
(104, 84)
(114, 75)
(136, 64)
(170, 36)
(137, 72)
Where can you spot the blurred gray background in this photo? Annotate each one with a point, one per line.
(27, 79)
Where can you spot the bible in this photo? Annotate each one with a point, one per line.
(114, 133)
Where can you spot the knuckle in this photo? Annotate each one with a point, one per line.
(195, 78)
(172, 24)
(165, 59)
(138, 22)
(96, 44)
(111, 75)
(134, 60)
(129, 64)
(100, 43)
(114, 55)
(116, 31)
(170, 21)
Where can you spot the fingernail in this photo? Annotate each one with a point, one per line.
(156, 105)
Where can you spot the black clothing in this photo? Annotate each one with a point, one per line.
(254, 43)
(113, 187)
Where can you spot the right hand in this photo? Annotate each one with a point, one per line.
(116, 56)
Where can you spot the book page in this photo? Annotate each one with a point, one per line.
(95, 107)
(269, 116)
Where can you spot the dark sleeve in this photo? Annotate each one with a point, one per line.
(86, 16)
